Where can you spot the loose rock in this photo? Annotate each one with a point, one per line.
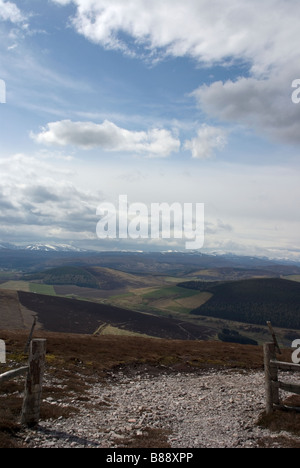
(215, 409)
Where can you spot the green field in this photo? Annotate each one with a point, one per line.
(29, 287)
(42, 289)
(169, 292)
(16, 286)
(293, 278)
(240, 306)
(163, 300)
(107, 329)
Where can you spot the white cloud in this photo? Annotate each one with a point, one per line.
(42, 198)
(264, 105)
(38, 199)
(208, 140)
(108, 136)
(10, 12)
(262, 36)
(259, 32)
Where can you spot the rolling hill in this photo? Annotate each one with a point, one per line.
(147, 285)
(67, 275)
(90, 277)
(251, 301)
(58, 314)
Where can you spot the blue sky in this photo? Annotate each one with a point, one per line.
(165, 101)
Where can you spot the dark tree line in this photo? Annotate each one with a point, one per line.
(232, 336)
(252, 301)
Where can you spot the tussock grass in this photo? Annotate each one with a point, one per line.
(74, 361)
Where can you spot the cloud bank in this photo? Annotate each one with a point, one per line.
(108, 136)
(260, 36)
(263, 105)
(210, 31)
(40, 201)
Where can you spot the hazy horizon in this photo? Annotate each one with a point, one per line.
(163, 101)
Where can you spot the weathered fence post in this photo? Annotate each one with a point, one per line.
(33, 385)
(274, 337)
(30, 335)
(271, 376)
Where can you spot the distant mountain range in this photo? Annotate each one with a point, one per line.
(220, 256)
(39, 256)
(42, 247)
(220, 292)
(53, 248)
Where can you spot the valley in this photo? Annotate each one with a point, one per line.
(166, 295)
(164, 318)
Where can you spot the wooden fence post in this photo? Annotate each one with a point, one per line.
(271, 375)
(33, 385)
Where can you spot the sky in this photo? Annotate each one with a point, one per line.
(167, 101)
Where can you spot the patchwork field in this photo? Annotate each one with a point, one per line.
(162, 300)
(16, 286)
(58, 314)
(153, 294)
(29, 287)
(200, 311)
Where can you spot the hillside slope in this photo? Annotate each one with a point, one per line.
(14, 315)
(252, 301)
(91, 277)
(68, 275)
(58, 314)
(178, 394)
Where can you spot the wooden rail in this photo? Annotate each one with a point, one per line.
(33, 384)
(13, 374)
(272, 384)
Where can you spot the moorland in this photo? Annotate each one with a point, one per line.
(166, 311)
(164, 295)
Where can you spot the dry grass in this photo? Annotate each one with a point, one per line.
(283, 420)
(90, 354)
(280, 420)
(194, 301)
(75, 359)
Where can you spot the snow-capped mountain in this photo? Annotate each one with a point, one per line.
(41, 247)
(52, 248)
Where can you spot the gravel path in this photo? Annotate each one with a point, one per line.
(214, 409)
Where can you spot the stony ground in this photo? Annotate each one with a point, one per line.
(211, 409)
